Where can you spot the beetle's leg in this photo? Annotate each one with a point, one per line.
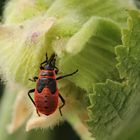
(56, 70)
(61, 77)
(37, 112)
(29, 92)
(63, 101)
(34, 79)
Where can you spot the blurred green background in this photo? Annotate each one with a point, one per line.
(61, 132)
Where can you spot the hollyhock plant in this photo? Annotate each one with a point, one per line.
(99, 38)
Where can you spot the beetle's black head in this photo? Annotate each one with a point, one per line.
(50, 64)
(48, 67)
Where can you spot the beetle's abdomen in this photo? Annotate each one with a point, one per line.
(46, 102)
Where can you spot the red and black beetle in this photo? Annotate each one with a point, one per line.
(46, 92)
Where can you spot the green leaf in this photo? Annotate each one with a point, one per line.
(130, 64)
(114, 109)
(91, 50)
(105, 112)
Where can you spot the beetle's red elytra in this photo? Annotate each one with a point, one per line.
(46, 92)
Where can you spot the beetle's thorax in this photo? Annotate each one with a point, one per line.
(47, 74)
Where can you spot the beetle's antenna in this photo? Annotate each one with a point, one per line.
(52, 58)
(45, 62)
(46, 57)
(53, 62)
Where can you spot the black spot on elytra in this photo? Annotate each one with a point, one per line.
(52, 85)
(46, 82)
(46, 107)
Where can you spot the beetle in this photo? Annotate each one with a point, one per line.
(46, 92)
